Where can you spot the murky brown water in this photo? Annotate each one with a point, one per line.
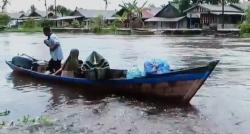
(221, 106)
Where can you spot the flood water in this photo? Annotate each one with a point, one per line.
(221, 106)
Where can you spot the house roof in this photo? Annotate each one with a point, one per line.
(92, 13)
(227, 13)
(39, 13)
(15, 15)
(67, 18)
(161, 19)
(149, 12)
(171, 10)
(214, 8)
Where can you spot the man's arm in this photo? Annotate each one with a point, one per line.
(54, 47)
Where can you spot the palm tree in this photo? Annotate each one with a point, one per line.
(131, 10)
(5, 3)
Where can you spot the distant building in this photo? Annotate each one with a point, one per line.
(37, 15)
(90, 14)
(169, 17)
(16, 19)
(206, 15)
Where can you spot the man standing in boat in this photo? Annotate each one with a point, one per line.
(55, 50)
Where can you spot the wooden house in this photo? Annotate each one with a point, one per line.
(169, 17)
(206, 15)
(90, 14)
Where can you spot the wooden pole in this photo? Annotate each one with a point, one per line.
(45, 4)
(223, 4)
(55, 9)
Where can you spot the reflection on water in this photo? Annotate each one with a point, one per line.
(221, 106)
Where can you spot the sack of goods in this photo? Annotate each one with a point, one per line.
(96, 67)
(134, 73)
(156, 66)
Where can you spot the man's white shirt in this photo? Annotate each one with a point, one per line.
(57, 54)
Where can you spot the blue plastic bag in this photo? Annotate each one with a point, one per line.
(156, 66)
(134, 73)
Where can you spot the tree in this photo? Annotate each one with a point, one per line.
(63, 10)
(32, 8)
(247, 12)
(184, 4)
(51, 8)
(5, 3)
(131, 10)
(4, 19)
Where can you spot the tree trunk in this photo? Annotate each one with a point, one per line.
(46, 9)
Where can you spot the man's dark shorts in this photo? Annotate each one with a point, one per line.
(54, 65)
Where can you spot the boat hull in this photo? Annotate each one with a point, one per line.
(179, 85)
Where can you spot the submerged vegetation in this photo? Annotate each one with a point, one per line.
(28, 121)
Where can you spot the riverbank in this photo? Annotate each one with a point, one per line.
(227, 33)
(23, 30)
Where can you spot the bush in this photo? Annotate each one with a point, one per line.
(29, 23)
(75, 24)
(46, 23)
(4, 19)
(97, 24)
(245, 28)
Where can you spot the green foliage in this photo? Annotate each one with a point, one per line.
(63, 10)
(45, 120)
(184, 4)
(4, 19)
(46, 23)
(29, 23)
(247, 12)
(116, 24)
(131, 10)
(97, 24)
(245, 28)
(28, 120)
(75, 24)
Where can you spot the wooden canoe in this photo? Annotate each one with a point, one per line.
(178, 85)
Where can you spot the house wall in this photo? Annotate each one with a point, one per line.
(207, 19)
(167, 25)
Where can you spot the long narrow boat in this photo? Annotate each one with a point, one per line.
(179, 85)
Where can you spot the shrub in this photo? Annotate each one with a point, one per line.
(46, 23)
(97, 24)
(4, 19)
(29, 23)
(245, 28)
(75, 24)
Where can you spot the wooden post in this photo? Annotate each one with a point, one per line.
(223, 4)
(45, 4)
(55, 9)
